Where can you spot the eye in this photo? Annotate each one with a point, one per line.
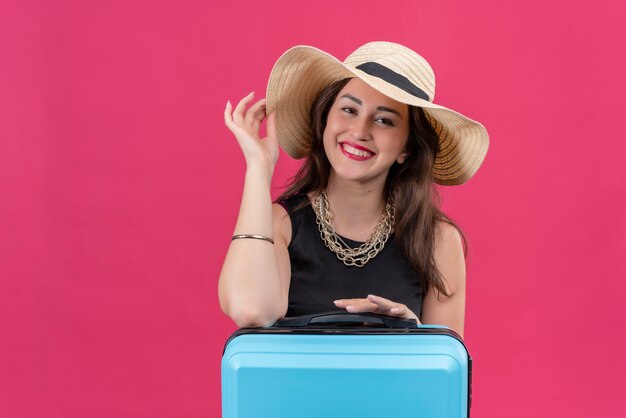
(385, 121)
(349, 110)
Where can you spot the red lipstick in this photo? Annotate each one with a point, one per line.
(356, 152)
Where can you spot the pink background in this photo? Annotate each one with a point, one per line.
(119, 187)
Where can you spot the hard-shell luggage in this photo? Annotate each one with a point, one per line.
(346, 365)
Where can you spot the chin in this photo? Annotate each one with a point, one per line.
(356, 175)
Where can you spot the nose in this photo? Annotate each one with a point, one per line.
(360, 129)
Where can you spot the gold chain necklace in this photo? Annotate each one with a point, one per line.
(365, 252)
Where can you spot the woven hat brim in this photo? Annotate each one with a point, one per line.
(302, 72)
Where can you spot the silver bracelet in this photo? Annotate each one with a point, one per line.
(252, 236)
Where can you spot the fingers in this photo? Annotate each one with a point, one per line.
(241, 106)
(382, 302)
(271, 125)
(371, 300)
(250, 120)
(229, 120)
(357, 305)
(245, 123)
(270, 129)
(228, 114)
(394, 308)
(255, 115)
(376, 304)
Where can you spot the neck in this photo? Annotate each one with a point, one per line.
(355, 207)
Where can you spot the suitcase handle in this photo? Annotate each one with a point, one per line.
(343, 318)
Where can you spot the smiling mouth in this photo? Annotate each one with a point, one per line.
(356, 153)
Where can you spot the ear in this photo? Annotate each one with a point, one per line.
(402, 157)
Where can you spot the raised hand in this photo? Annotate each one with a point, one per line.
(245, 125)
(378, 305)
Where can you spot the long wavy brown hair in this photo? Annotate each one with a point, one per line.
(409, 185)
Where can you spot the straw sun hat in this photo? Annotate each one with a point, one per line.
(302, 72)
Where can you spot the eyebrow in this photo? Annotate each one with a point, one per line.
(383, 108)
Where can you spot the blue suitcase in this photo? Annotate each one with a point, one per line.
(346, 365)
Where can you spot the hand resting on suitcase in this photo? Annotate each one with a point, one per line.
(378, 305)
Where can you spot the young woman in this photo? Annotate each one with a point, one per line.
(359, 228)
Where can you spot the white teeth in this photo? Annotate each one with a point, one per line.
(354, 151)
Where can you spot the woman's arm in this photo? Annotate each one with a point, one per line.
(450, 260)
(254, 280)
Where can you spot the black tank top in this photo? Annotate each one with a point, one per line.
(318, 277)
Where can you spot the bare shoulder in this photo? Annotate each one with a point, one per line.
(447, 238)
(449, 256)
(450, 260)
(282, 224)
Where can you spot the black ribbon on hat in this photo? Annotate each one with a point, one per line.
(377, 70)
